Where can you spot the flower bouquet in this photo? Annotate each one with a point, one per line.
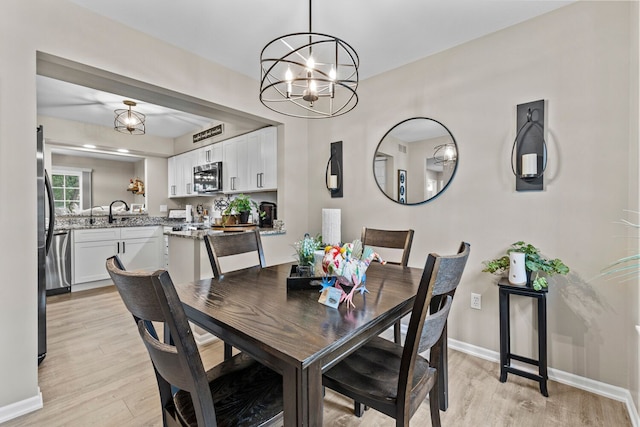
(305, 249)
(349, 264)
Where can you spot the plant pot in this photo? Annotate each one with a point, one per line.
(229, 219)
(517, 268)
(244, 217)
(529, 283)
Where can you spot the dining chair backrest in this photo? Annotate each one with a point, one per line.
(447, 284)
(392, 239)
(222, 245)
(449, 272)
(151, 297)
(438, 269)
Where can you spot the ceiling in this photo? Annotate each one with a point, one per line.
(386, 34)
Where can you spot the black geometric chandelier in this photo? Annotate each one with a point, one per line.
(309, 75)
(129, 121)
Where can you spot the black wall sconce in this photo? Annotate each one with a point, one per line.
(333, 179)
(529, 151)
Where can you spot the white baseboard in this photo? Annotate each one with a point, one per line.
(22, 407)
(596, 387)
(201, 336)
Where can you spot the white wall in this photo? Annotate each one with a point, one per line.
(60, 28)
(578, 59)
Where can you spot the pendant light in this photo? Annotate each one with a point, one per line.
(129, 121)
(309, 75)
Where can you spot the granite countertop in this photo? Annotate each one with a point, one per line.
(79, 222)
(199, 234)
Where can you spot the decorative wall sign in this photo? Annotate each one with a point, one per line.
(402, 186)
(214, 131)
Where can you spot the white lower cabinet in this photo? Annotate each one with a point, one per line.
(139, 248)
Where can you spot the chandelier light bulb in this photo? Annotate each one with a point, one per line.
(310, 63)
(288, 76)
(448, 153)
(332, 73)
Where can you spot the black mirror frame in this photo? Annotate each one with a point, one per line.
(453, 174)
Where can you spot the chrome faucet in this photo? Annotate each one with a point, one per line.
(126, 208)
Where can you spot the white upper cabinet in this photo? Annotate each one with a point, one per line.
(250, 162)
(235, 170)
(180, 174)
(209, 154)
(263, 160)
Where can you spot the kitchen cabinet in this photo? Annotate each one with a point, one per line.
(263, 159)
(209, 154)
(235, 170)
(250, 162)
(139, 248)
(180, 174)
(180, 169)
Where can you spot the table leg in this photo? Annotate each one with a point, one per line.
(303, 399)
(504, 333)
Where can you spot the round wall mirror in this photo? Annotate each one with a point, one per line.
(415, 161)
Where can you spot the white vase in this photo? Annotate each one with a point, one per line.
(517, 269)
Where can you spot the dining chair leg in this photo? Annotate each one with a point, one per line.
(434, 406)
(358, 409)
(397, 335)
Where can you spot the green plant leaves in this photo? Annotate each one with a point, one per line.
(534, 263)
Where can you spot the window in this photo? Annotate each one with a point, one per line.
(67, 185)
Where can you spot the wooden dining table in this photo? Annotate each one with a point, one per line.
(290, 331)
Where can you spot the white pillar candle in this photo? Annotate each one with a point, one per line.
(333, 182)
(331, 226)
(530, 164)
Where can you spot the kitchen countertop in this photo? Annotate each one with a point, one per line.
(199, 234)
(80, 222)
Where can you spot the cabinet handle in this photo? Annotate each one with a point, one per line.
(208, 156)
(258, 180)
(233, 182)
(118, 248)
(124, 248)
(173, 190)
(188, 188)
(261, 179)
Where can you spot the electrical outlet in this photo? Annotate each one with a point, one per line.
(476, 301)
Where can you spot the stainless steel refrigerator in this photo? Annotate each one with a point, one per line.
(45, 237)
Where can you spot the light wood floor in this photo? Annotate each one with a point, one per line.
(97, 373)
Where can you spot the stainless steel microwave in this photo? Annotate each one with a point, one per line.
(207, 178)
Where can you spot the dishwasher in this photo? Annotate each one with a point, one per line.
(58, 264)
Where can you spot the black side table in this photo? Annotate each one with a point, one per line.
(505, 291)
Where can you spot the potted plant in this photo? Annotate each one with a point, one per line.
(241, 205)
(305, 256)
(534, 263)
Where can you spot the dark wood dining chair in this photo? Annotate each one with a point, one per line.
(392, 239)
(395, 379)
(441, 290)
(238, 391)
(222, 245)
